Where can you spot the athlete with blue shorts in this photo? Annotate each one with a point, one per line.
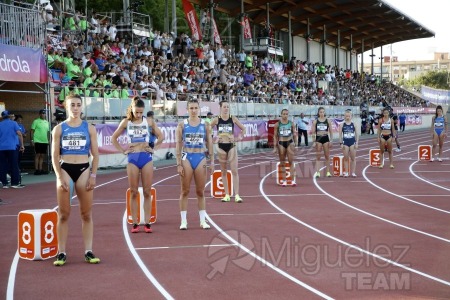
(74, 143)
(140, 157)
(285, 138)
(193, 135)
(348, 137)
(439, 128)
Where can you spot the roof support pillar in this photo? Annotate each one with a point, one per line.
(324, 44)
(308, 38)
(291, 46)
(338, 48)
(362, 56)
(351, 52)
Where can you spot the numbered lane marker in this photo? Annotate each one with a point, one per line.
(217, 188)
(37, 237)
(424, 153)
(280, 175)
(141, 211)
(375, 157)
(338, 165)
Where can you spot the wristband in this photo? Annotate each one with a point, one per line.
(93, 175)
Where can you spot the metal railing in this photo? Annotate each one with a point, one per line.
(21, 26)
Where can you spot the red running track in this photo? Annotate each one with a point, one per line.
(384, 234)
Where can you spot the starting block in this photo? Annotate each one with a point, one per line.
(289, 177)
(338, 165)
(424, 153)
(217, 188)
(375, 158)
(141, 212)
(37, 238)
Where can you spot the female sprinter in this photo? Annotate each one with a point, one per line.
(192, 135)
(385, 136)
(348, 137)
(323, 136)
(285, 137)
(439, 127)
(227, 151)
(73, 141)
(140, 157)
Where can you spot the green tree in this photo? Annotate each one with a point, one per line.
(433, 79)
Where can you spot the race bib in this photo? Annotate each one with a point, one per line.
(225, 128)
(322, 127)
(194, 139)
(74, 142)
(349, 135)
(138, 131)
(285, 131)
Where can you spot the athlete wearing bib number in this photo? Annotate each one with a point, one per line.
(323, 137)
(140, 157)
(192, 136)
(348, 137)
(285, 132)
(385, 133)
(226, 150)
(74, 143)
(439, 129)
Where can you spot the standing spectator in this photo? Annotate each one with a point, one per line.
(402, 119)
(19, 120)
(371, 121)
(40, 129)
(9, 130)
(302, 123)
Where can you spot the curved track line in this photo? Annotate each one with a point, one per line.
(139, 261)
(401, 197)
(423, 179)
(378, 217)
(265, 262)
(259, 258)
(345, 243)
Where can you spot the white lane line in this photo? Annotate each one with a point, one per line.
(139, 261)
(448, 195)
(401, 197)
(378, 217)
(187, 246)
(262, 260)
(266, 263)
(261, 185)
(255, 214)
(423, 179)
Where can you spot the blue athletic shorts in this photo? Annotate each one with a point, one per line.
(139, 159)
(195, 159)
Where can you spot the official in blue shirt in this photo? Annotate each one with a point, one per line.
(402, 119)
(302, 123)
(9, 130)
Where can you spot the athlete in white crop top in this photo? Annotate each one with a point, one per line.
(140, 157)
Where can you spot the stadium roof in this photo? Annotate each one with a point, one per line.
(375, 21)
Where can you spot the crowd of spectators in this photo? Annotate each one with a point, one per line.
(92, 59)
